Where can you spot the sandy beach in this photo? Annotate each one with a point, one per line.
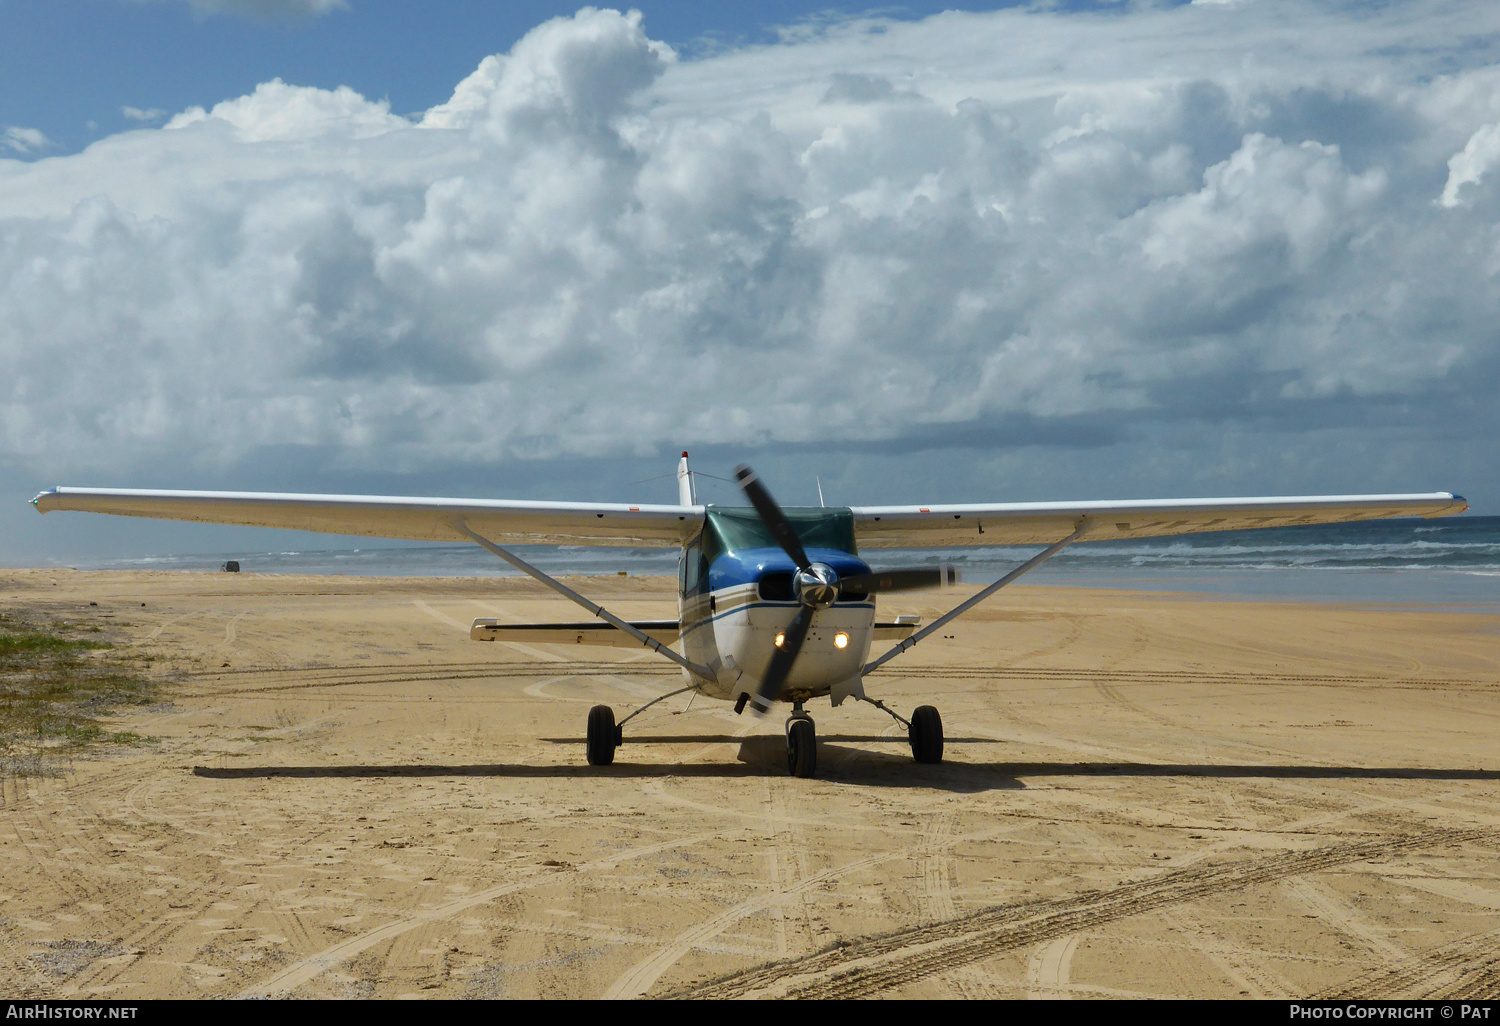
(1144, 795)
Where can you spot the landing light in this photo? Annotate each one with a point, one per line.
(841, 640)
(780, 640)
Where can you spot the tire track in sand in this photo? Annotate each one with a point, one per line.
(939, 868)
(1346, 919)
(307, 969)
(636, 981)
(1048, 971)
(1050, 967)
(784, 865)
(894, 960)
(1467, 968)
(640, 977)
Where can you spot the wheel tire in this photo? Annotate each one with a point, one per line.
(604, 736)
(926, 733)
(802, 749)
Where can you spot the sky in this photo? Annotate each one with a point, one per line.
(1061, 251)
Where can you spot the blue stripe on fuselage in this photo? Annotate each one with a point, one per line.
(748, 566)
(690, 626)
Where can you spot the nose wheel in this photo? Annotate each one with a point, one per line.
(801, 744)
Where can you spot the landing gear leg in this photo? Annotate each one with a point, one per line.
(604, 737)
(924, 729)
(801, 744)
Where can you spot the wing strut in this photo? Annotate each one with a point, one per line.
(1084, 526)
(598, 610)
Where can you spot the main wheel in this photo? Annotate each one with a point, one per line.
(926, 733)
(604, 736)
(802, 749)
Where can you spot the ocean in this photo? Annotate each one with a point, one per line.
(1454, 561)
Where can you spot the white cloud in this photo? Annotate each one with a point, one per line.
(137, 114)
(277, 111)
(594, 248)
(23, 140)
(1467, 167)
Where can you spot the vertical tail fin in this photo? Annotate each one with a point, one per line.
(687, 495)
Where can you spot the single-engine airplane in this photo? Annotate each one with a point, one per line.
(775, 604)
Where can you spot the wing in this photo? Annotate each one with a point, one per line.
(505, 521)
(513, 521)
(1023, 523)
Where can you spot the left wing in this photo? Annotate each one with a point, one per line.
(504, 521)
(1041, 523)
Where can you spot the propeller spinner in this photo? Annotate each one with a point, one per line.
(815, 585)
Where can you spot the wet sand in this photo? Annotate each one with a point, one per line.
(1143, 794)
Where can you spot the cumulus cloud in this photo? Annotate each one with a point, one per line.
(852, 237)
(279, 112)
(1467, 167)
(137, 114)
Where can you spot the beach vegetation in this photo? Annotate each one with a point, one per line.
(58, 690)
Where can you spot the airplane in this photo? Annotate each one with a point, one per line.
(775, 604)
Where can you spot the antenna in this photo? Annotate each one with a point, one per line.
(820, 491)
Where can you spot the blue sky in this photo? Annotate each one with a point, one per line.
(71, 65)
(1068, 251)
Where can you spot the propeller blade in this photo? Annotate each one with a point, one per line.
(770, 514)
(898, 580)
(781, 661)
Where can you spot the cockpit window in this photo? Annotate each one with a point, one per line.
(734, 530)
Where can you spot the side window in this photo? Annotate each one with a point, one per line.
(690, 570)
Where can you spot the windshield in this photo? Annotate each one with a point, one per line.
(734, 530)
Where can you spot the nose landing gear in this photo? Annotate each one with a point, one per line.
(801, 743)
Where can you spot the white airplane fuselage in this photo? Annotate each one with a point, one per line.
(735, 602)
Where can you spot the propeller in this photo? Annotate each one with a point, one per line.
(898, 580)
(816, 585)
(770, 514)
